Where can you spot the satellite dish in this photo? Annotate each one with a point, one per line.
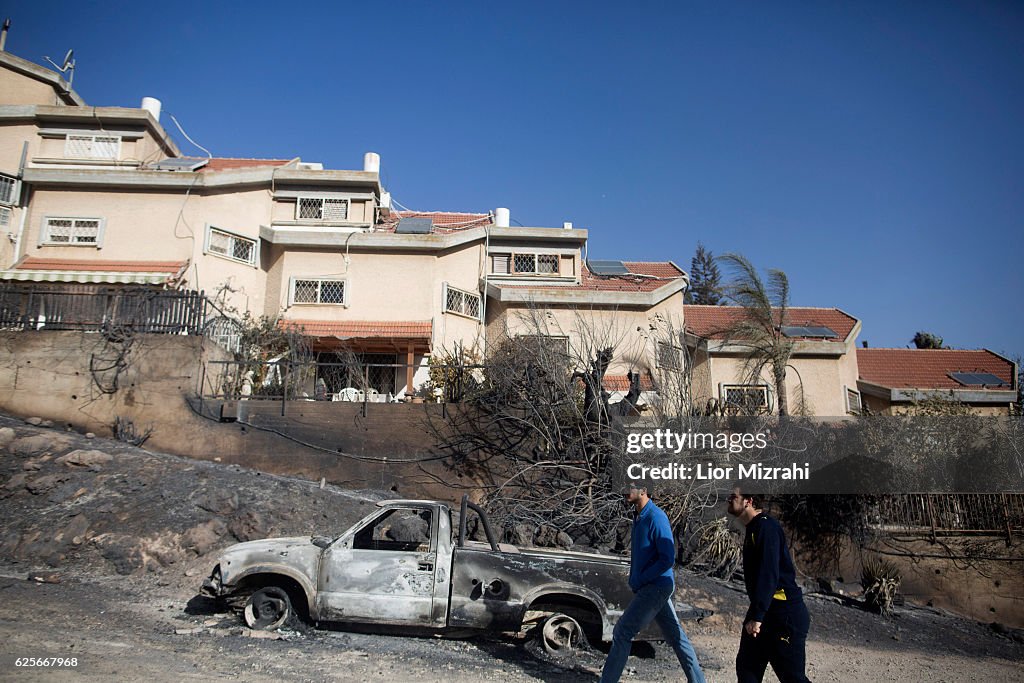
(69, 65)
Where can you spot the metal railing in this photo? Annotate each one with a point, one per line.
(148, 311)
(938, 514)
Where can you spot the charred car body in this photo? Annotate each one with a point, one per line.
(405, 566)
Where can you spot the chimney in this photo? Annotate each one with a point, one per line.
(501, 218)
(153, 106)
(371, 162)
(3, 33)
(865, 343)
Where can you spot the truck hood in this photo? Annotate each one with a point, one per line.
(297, 553)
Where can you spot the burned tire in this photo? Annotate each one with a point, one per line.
(267, 609)
(561, 636)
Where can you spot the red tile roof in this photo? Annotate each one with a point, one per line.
(363, 329)
(928, 368)
(35, 263)
(710, 322)
(621, 382)
(225, 163)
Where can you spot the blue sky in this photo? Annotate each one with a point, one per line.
(873, 150)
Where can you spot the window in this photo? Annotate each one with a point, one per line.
(318, 291)
(400, 530)
(8, 190)
(747, 399)
(853, 403)
(523, 263)
(670, 357)
(321, 209)
(461, 302)
(92, 147)
(75, 231)
(546, 346)
(231, 246)
(5, 217)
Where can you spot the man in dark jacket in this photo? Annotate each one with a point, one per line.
(775, 626)
(651, 579)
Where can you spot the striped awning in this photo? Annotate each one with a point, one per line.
(89, 277)
(94, 271)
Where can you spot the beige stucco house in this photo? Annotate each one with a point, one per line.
(99, 197)
(821, 377)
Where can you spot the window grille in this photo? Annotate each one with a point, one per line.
(8, 190)
(525, 263)
(5, 217)
(318, 292)
(670, 357)
(545, 346)
(92, 147)
(72, 231)
(462, 302)
(748, 398)
(853, 403)
(232, 246)
(547, 264)
(322, 209)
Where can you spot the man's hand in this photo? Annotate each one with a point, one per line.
(752, 628)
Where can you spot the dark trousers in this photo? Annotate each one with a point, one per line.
(781, 643)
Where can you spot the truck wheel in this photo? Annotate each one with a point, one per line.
(267, 609)
(561, 635)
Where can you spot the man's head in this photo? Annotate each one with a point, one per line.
(743, 505)
(637, 492)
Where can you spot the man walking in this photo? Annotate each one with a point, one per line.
(776, 624)
(652, 581)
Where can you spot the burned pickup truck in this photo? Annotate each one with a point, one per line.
(405, 565)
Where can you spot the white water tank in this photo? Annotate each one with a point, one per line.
(153, 106)
(567, 225)
(501, 218)
(371, 162)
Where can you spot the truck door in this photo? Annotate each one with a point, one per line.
(384, 572)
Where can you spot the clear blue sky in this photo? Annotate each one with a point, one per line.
(872, 150)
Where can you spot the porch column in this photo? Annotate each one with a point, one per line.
(409, 359)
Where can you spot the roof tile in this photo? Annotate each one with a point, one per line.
(928, 368)
(710, 322)
(363, 329)
(35, 263)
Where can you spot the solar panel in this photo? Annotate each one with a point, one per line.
(969, 379)
(181, 164)
(809, 331)
(415, 226)
(607, 268)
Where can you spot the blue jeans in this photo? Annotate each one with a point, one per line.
(653, 602)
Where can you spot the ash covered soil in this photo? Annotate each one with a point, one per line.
(103, 547)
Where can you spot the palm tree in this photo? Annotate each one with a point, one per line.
(765, 304)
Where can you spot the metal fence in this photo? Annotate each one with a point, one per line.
(937, 514)
(102, 308)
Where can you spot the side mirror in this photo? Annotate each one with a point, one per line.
(322, 541)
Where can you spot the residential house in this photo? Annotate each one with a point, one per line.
(821, 378)
(101, 197)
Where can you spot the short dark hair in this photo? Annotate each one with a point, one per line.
(756, 499)
(641, 484)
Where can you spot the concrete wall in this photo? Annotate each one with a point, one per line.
(16, 88)
(823, 379)
(46, 374)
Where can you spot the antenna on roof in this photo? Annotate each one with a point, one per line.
(69, 65)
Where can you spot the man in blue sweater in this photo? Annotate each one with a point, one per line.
(652, 581)
(775, 626)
